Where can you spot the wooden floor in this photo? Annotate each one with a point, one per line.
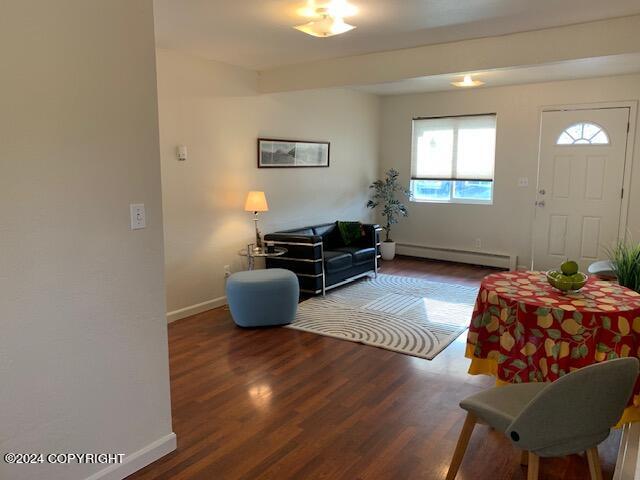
(283, 404)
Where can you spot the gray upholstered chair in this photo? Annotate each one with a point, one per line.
(571, 415)
(261, 298)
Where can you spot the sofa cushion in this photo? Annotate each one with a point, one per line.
(350, 232)
(330, 235)
(325, 229)
(359, 254)
(335, 261)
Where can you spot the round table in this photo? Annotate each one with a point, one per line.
(524, 330)
(252, 252)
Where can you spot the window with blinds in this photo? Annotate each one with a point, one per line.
(452, 159)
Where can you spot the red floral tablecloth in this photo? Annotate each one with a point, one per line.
(524, 330)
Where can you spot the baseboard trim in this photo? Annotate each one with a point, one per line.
(138, 460)
(195, 309)
(489, 259)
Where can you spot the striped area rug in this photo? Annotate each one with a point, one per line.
(404, 314)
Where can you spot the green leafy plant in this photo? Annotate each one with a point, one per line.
(625, 262)
(384, 194)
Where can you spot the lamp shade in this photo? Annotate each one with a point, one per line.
(256, 202)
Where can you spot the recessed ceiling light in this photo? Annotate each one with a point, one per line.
(467, 82)
(330, 20)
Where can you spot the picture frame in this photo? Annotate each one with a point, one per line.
(279, 153)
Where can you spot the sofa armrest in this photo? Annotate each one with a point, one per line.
(303, 257)
(300, 248)
(292, 238)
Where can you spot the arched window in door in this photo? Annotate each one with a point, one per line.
(584, 133)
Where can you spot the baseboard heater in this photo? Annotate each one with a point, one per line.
(474, 257)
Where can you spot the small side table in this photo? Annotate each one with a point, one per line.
(251, 252)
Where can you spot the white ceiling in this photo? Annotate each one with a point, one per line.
(257, 34)
(573, 69)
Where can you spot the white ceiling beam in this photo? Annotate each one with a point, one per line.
(586, 40)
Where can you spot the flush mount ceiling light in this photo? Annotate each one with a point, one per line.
(329, 20)
(467, 82)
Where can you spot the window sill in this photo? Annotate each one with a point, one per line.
(455, 202)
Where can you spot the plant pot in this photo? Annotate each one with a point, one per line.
(388, 250)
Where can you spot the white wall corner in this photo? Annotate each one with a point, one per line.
(627, 463)
(195, 309)
(138, 460)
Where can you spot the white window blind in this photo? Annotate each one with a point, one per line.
(454, 148)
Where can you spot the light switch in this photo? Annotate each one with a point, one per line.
(138, 216)
(181, 153)
(523, 182)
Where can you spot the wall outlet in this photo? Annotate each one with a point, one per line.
(227, 271)
(478, 243)
(138, 216)
(523, 182)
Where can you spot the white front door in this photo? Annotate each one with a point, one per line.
(580, 181)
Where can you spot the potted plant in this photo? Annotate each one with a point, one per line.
(384, 194)
(625, 263)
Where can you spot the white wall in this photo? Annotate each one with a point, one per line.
(83, 342)
(215, 110)
(506, 226)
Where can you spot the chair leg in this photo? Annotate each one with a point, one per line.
(534, 466)
(594, 464)
(524, 459)
(461, 447)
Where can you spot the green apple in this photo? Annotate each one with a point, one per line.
(578, 281)
(577, 277)
(564, 284)
(569, 267)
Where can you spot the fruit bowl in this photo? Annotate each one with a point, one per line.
(566, 283)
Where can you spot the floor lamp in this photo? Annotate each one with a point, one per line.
(256, 202)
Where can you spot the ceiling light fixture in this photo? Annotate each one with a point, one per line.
(467, 82)
(341, 8)
(330, 20)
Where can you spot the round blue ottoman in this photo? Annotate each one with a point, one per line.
(260, 298)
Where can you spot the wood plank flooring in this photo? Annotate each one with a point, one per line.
(282, 404)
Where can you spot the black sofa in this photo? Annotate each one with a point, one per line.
(321, 260)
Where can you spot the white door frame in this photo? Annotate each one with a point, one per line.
(632, 105)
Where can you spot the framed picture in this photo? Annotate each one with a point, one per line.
(274, 153)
